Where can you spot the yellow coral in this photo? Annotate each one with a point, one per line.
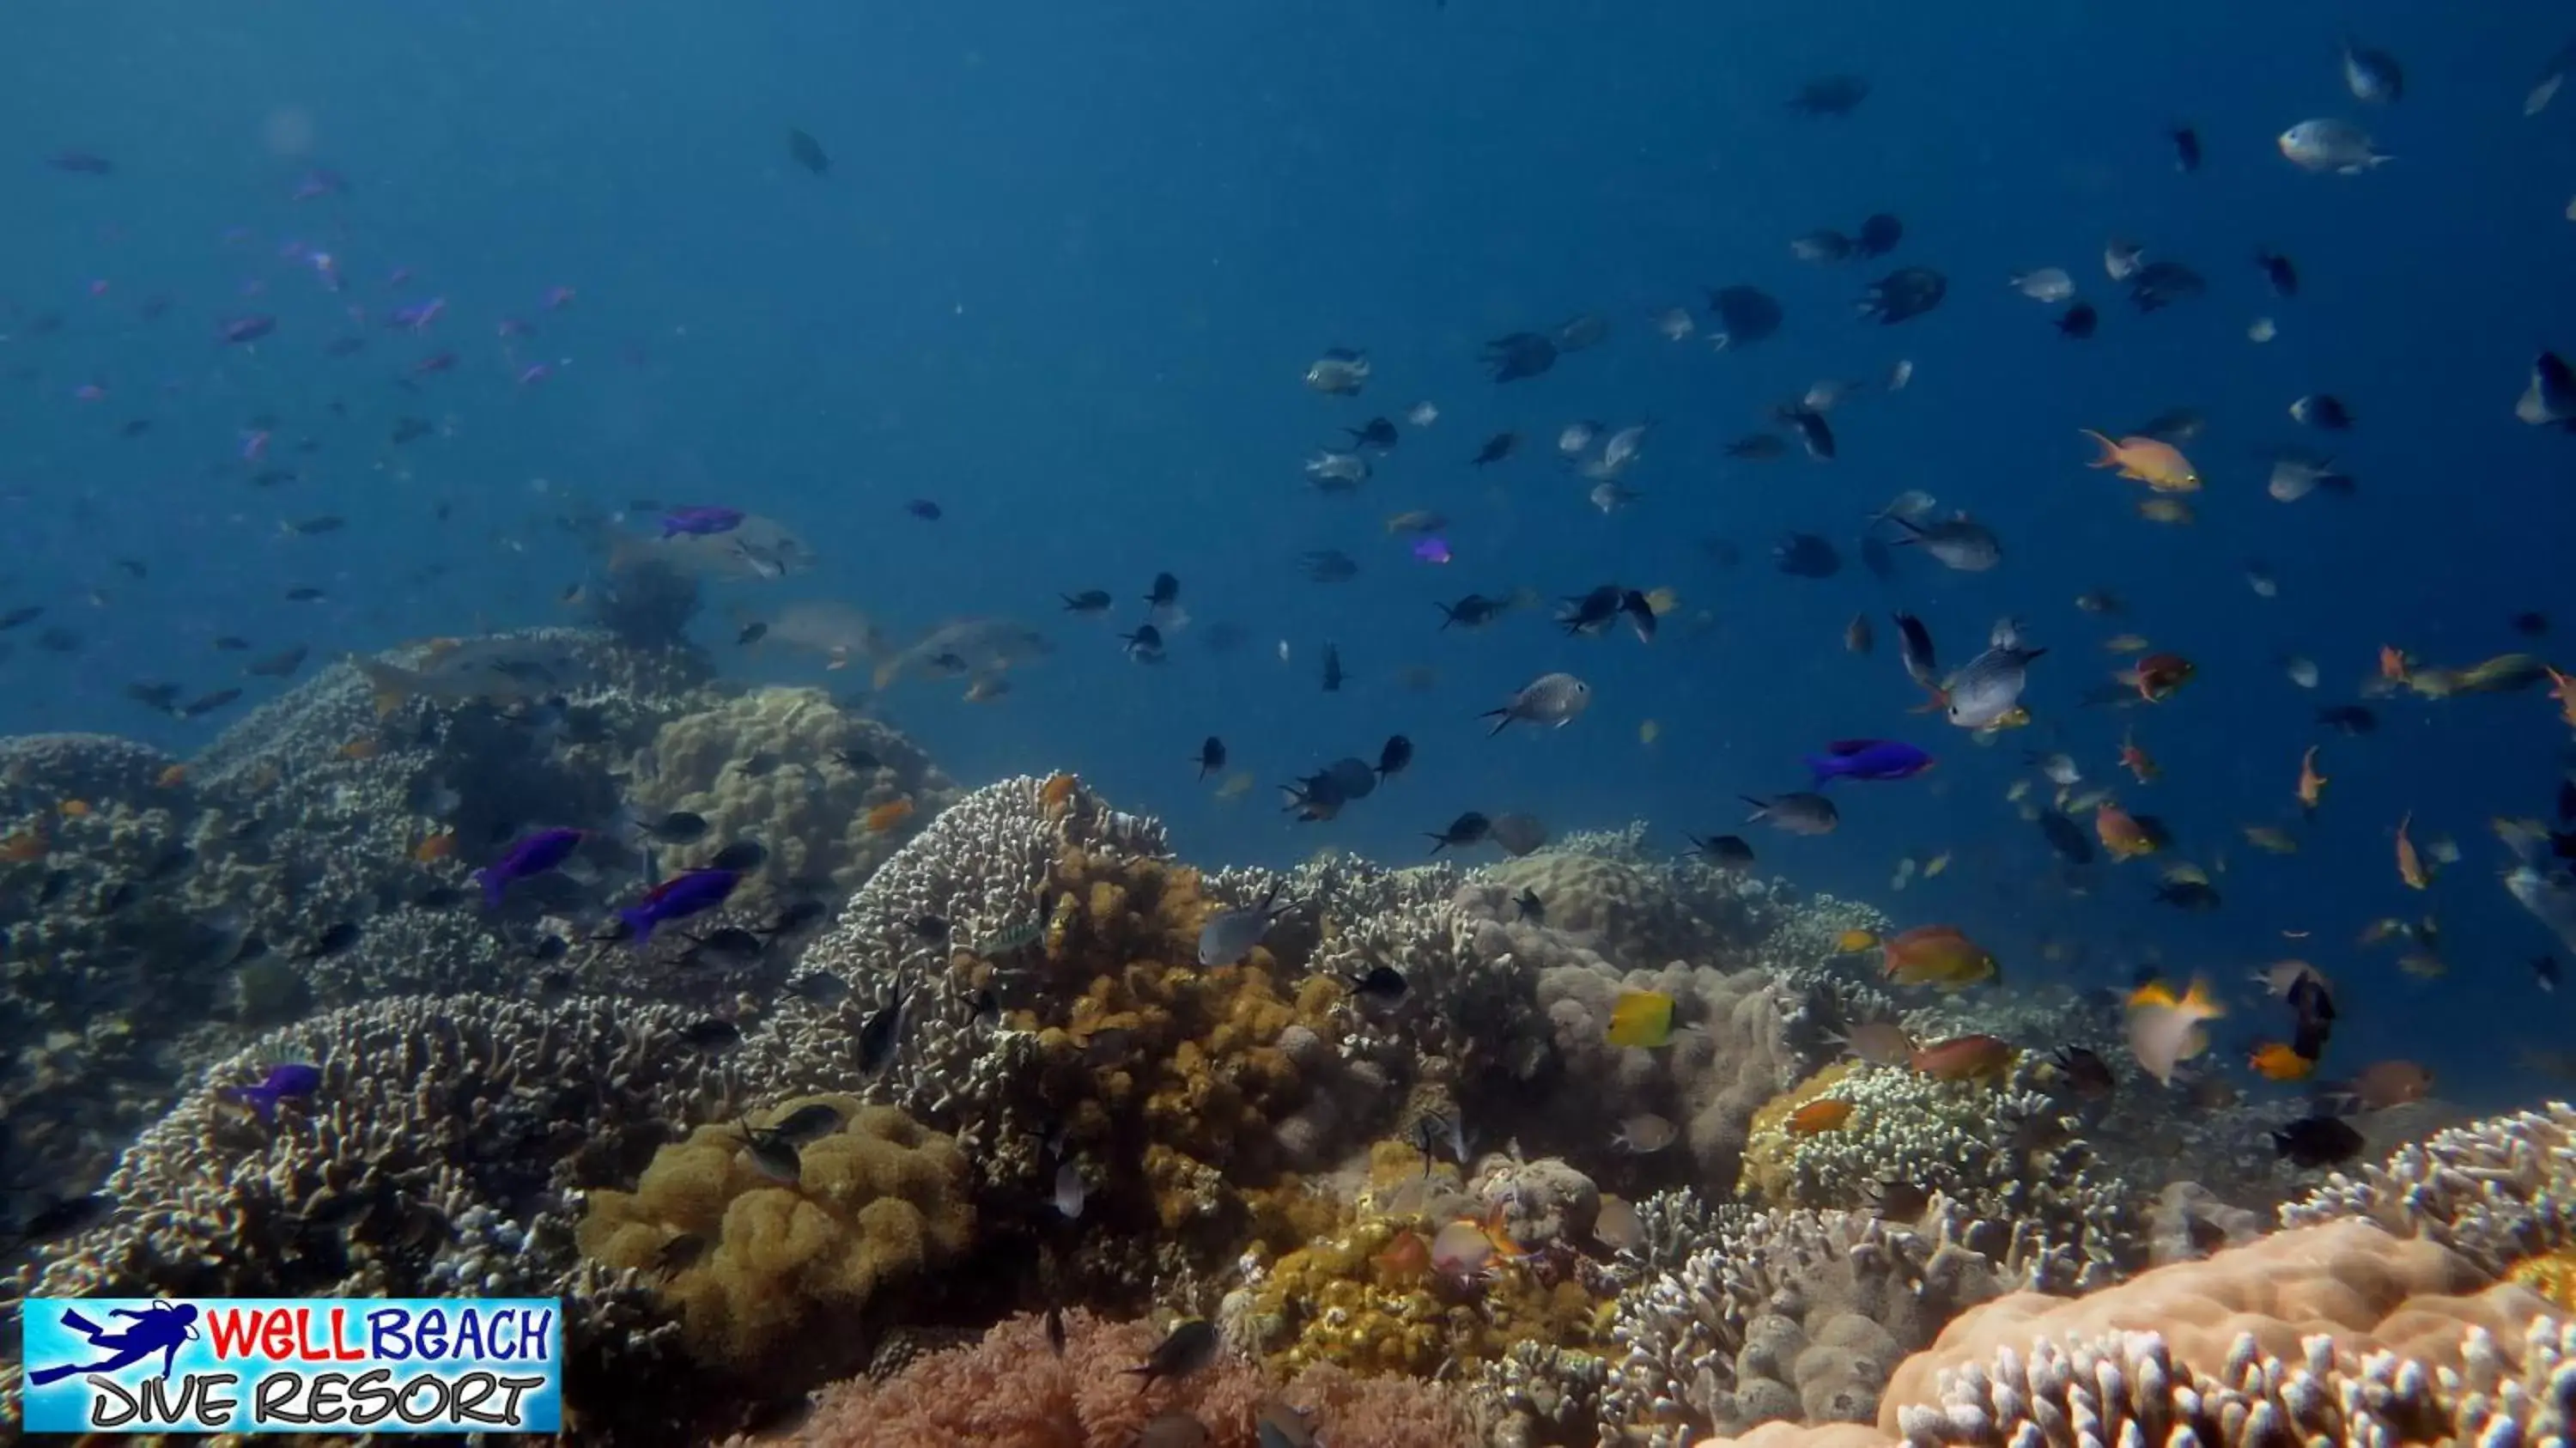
(1770, 1148)
(2551, 1274)
(1365, 1299)
(749, 1263)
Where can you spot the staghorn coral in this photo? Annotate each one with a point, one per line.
(2495, 1191)
(1012, 1389)
(434, 1159)
(791, 769)
(752, 1265)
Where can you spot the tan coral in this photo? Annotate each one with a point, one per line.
(750, 1263)
(774, 765)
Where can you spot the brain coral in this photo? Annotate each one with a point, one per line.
(753, 1263)
(789, 768)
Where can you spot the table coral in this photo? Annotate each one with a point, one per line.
(879, 1202)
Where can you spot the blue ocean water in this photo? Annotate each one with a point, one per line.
(1067, 270)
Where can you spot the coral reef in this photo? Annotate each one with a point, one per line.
(435, 1157)
(2496, 1191)
(1014, 1389)
(791, 769)
(752, 1264)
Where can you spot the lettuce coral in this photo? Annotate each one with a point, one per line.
(749, 1263)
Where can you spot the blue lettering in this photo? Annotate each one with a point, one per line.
(537, 1341)
(431, 1337)
(388, 1334)
(469, 1334)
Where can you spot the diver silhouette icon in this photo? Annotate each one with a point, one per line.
(163, 1328)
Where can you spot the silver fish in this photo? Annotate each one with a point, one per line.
(1068, 1190)
(2048, 284)
(1989, 687)
(1555, 700)
(1957, 543)
(2550, 400)
(2330, 145)
(2373, 76)
(1339, 373)
(1337, 472)
(1227, 938)
(1799, 812)
(2537, 882)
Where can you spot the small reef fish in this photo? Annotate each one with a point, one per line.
(2121, 834)
(1555, 700)
(1641, 1018)
(1799, 812)
(2278, 1061)
(2165, 1029)
(1964, 1058)
(1868, 759)
(886, 816)
(678, 898)
(1190, 1346)
(2152, 461)
(1228, 937)
(497, 671)
(286, 1080)
(534, 854)
(1825, 1114)
(700, 521)
(1939, 955)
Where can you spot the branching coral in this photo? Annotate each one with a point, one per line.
(750, 1264)
(2496, 1191)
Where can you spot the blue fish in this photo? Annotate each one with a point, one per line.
(285, 1079)
(678, 898)
(700, 522)
(532, 855)
(1868, 759)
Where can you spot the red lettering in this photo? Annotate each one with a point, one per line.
(344, 1350)
(276, 1337)
(233, 1331)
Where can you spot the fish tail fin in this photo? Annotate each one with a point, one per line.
(2110, 450)
(1825, 771)
(1939, 701)
(1502, 719)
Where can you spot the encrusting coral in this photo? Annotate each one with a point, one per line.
(1014, 1389)
(751, 1263)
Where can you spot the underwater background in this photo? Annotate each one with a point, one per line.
(1063, 271)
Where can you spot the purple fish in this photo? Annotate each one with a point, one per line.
(82, 163)
(238, 330)
(418, 315)
(285, 1079)
(678, 898)
(1868, 759)
(1434, 549)
(700, 521)
(533, 855)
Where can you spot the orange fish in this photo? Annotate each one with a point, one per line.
(435, 847)
(886, 816)
(1964, 1058)
(2152, 461)
(2563, 689)
(2410, 865)
(2392, 663)
(1823, 1114)
(1406, 1256)
(74, 809)
(172, 777)
(23, 846)
(1939, 955)
(2384, 1084)
(2158, 675)
(1057, 789)
(2274, 1061)
(2140, 764)
(2121, 833)
(362, 747)
(2312, 785)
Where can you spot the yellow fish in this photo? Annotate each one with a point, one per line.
(1649, 732)
(1641, 1018)
(1853, 942)
(2164, 1030)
